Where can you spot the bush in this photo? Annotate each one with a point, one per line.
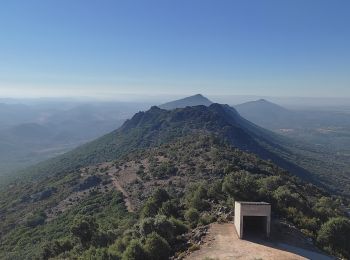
(179, 227)
(98, 253)
(160, 196)
(154, 203)
(196, 197)
(286, 198)
(36, 219)
(157, 248)
(192, 216)
(170, 208)
(163, 170)
(134, 251)
(150, 209)
(194, 248)
(334, 236)
(241, 186)
(147, 226)
(85, 228)
(206, 219)
(215, 191)
(327, 208)
(161, 225)
(165, 228)
(120, 245)
(55, 248)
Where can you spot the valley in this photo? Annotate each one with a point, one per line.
(37, 130)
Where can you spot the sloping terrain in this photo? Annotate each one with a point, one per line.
(41, 130)
(157, 126)
(191, 181)
(319, 139)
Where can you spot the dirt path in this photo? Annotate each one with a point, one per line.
(122, 178)
(127, 201)
(222, 243)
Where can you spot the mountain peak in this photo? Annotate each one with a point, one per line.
(190, 101)
(266, 114)
(259, 104)
(198, 96)
(154, 108)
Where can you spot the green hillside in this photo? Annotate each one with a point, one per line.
(157, 126)
(178, 186)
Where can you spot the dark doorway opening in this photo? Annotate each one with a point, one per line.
(254, 226)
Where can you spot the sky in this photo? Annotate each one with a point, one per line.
(105, 48)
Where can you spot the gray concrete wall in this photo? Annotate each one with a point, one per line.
(238, 219)
(250, 209)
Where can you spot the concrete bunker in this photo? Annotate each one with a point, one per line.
(252, 217)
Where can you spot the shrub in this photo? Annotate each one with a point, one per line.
(196, 196)
(134, 251)
(147, 226)
(157, 248)
(36, 219)
(98, 253)
(194, 248)
(240, 185)
(120, 245)
(55, 248)
(326, 208)
(179, 227)
(192, 216)
(154, 202)
(163, 170)
(170, 208)
(160, 196)
(206, 219)
(215, 190)
(334, 236)
(84, 228)
(161, 225)
(165, 228)
(150, 209)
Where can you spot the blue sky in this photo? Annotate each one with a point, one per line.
(102, 48)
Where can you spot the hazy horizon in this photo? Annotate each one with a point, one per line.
(289, 102)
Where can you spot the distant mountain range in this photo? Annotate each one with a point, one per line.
(194, 100)
(157, 126)
(28, 143)
(267, 114)
(274, 117)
